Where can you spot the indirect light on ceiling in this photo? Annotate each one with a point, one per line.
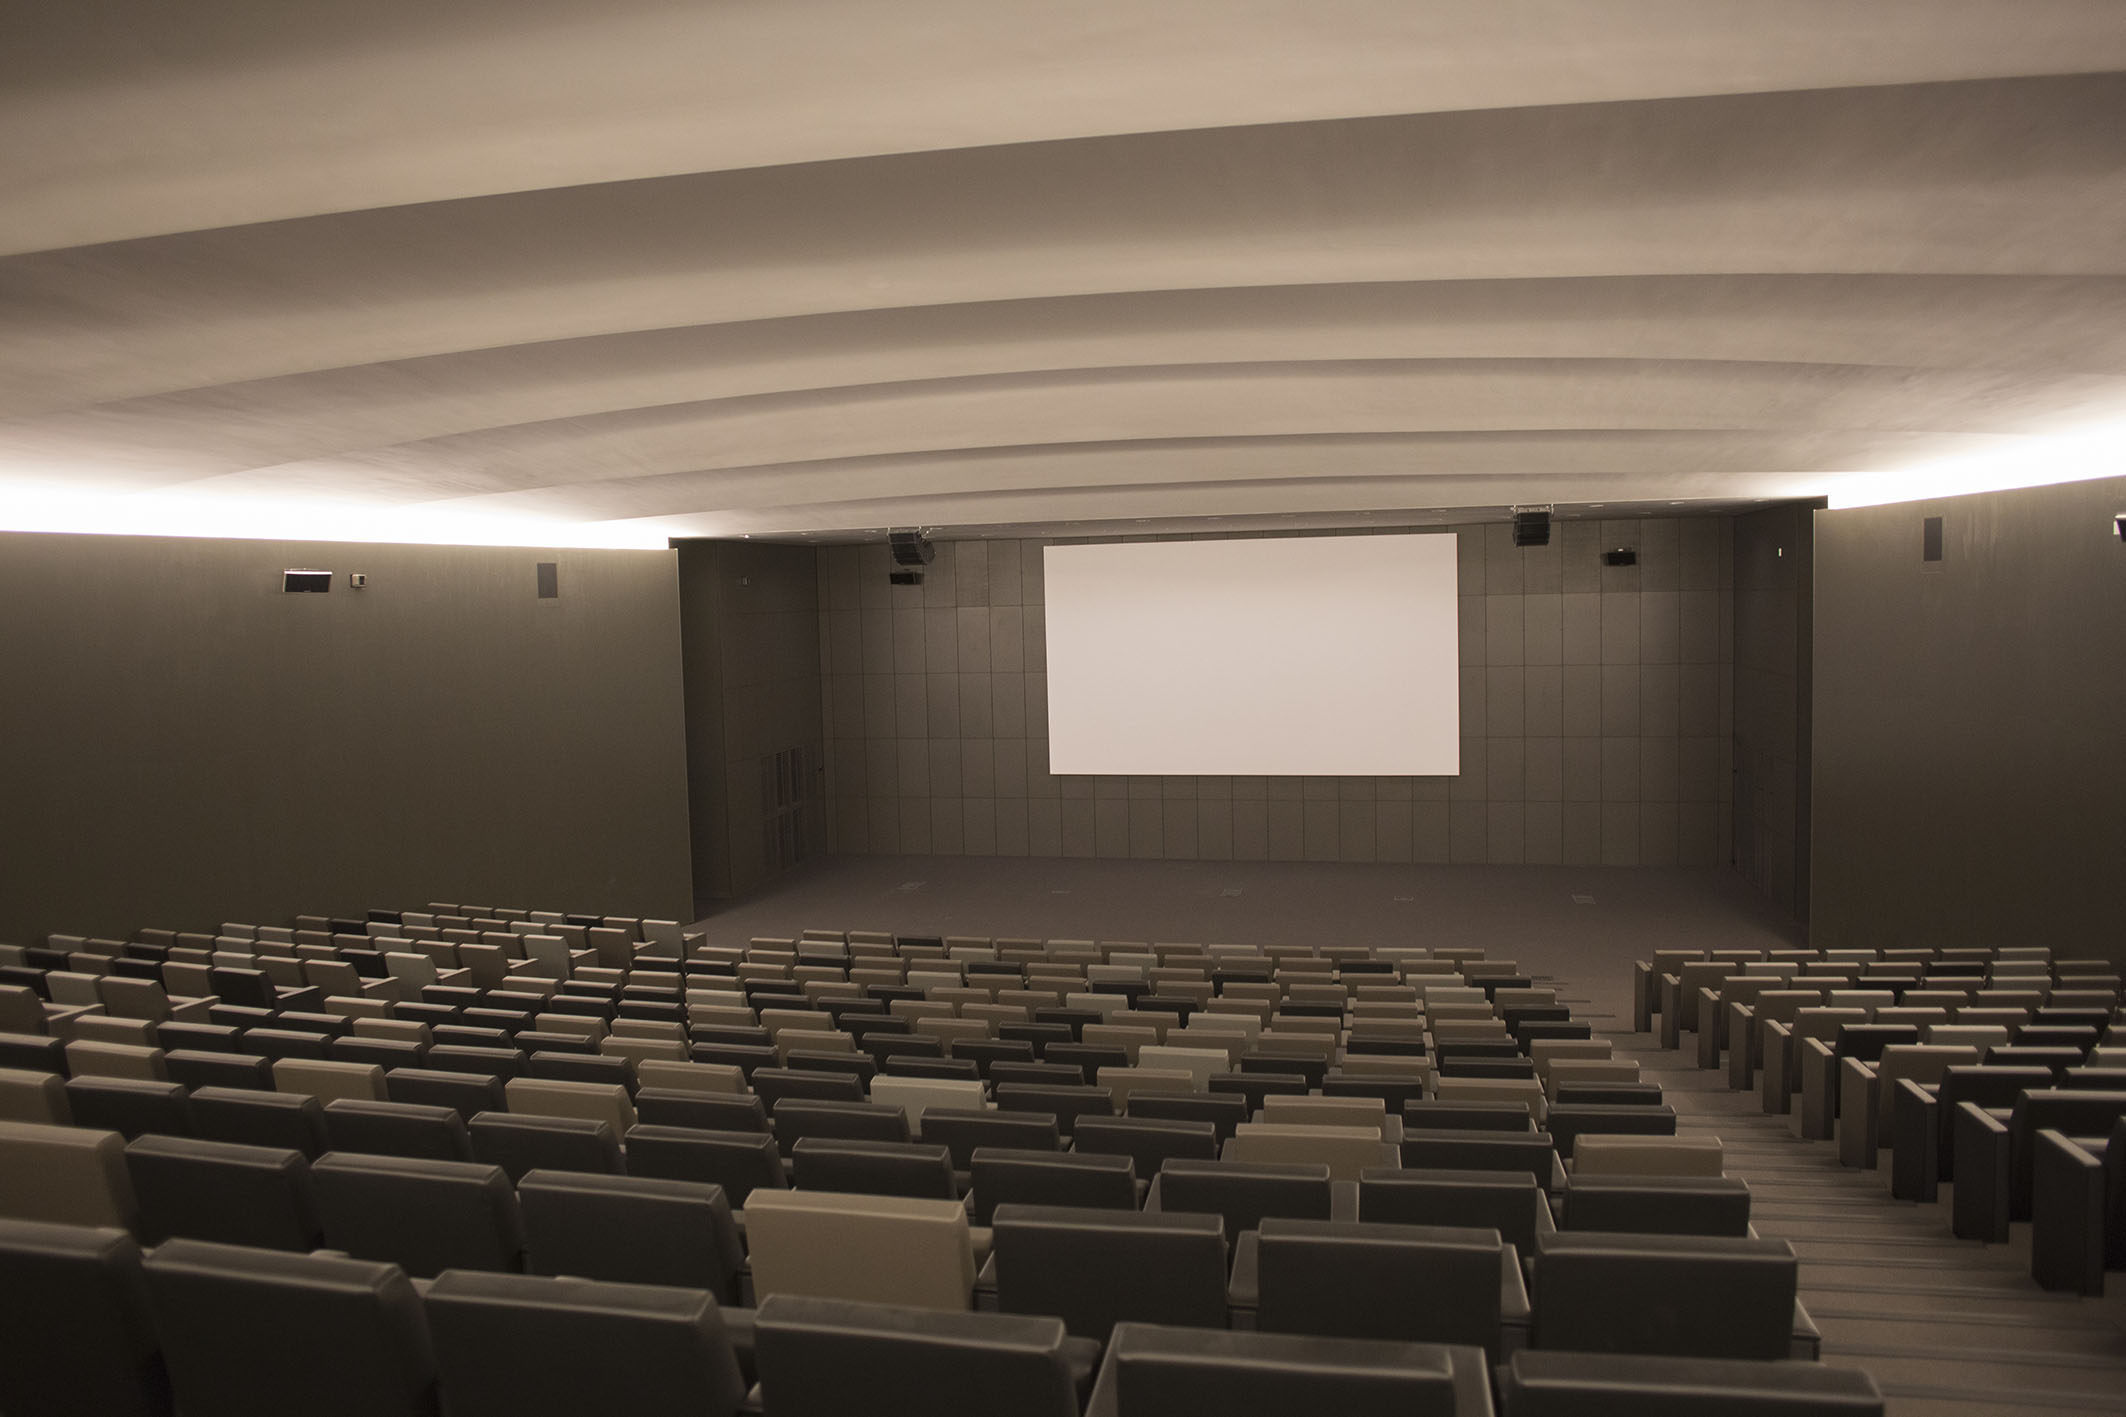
(2032, 460)
(45, 508)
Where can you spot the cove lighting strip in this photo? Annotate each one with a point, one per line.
(2077, 455)
(47, 509)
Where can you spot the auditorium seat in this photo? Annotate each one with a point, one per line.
(69, 1175)
(1222, 1110)
(873, 1249)
(812, 1353)
(961, 1130)
(131, 1107)
(739, 1162)
(1096, 1268)
(631, 1230)
(469, 1094)
(1418, 1283)
(878, 1168)
(27, 1096)
(1567, 1122)
(520, 1144)
(33, 1052)
(294, 1121)
(423, 1216)
(688, 1077)
(795, 1118)
(915, 1096)
(1994, 1153)
(2078, 1208)
(1692, 1296)
(1540, 1384)
(515, 1345)
(76, 1335)
(591, 1101)
(329, 1081)
(1656, 1205)
(259, 1333)
(1509, 1202)
(194, 1069)
(1922, 1130)
(1150, 1371)
(1613, 1154)
(1242, 1193)
(1346, 1151)
(1008, 1176)
(1476, 1150)
(223, 1191)
(87, 1058)
(1150, 1142)
(397, 1129)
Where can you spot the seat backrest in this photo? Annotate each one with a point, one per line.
(226, 1192)
(468, 1094)
(260, 1333)
(915, 1096)
(1243, 1193)
(1475, 1150)
(798, 1117)
(712, 1078)
(68, 1175)
(592, 1101)
(1090, 1180)
(1567, 1122)
(1505, 1201)
(329, 1081)
(1695, 1296)
(424, 1216)
(76, 1334)
(1365, 1112)
(1427, 1284)
(879, 1168)
(1611, 1154)
(739, 1162)
(1225, 1111)
(600, 1346)
(1171, 1372)
(1096, 1268)
(397, 1129)
(30, 1096)
(873, 1249)
(129, 1106)
(712, 1111)
(88, 1058)
(1346, 1151)
(631, 1230)
(961, 1130)
(1658, 1205)
(813, 1353)
(1148, 1141)
(520, 1144)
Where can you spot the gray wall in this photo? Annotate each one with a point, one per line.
(1773, 590)
(1970, 723)
(184, 744)
(750, 615)
(1596, 715)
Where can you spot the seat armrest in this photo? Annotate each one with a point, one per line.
(1807, 1343)
(191, 1010)
(1642, 996)
(1778, 1084)
(1819, 1089)
(1859, 1117)
(1712, 1028)
(738, 1327)
(1343, 1200)
(1979, 1200)
(2066, 1215)
(1151, 1197)
(1671, 1011)
(1243, 1291)
(1915, 1143)
(1745, 1045)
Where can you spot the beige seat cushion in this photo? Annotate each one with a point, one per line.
(330, 1081)
(916, 1095)
(89, 1058)
(27, 1096)
(644, 1050)
(871, 1249)
(1599, 1154)
(1122, 1083)
(720, 1078)
(69, 1175)
(1370, 1113)
(1346, 1151)
(1201, 1064)
(598, 1101)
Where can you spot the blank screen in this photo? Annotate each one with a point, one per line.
(1325, 656)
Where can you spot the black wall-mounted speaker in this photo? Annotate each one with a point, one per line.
(1532, 527)
(311, 581)
(905, 577)
(910, 548)
(1622, 556)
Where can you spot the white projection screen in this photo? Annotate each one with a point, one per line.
(1318, 655)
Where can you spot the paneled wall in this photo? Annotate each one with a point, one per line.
(1969, 778)
(1596, 715)
(182, 744)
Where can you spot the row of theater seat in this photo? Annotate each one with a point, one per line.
(2003, 1071)
(791, 977)
(92, 1325)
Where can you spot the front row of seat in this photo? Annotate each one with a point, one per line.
(89, 1324)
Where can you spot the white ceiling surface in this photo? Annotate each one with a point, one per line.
(823, 266)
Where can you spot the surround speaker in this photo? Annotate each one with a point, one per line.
(1622, 556)
(1531, 526)
(910, 548)
(901, 577)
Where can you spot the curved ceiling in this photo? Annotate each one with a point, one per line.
(821, 266)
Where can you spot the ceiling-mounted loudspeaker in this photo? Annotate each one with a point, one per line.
(901, 577)
(1531, 526)
(910, 548)
(1622, 556)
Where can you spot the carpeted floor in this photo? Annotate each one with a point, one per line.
(1949, 1328)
